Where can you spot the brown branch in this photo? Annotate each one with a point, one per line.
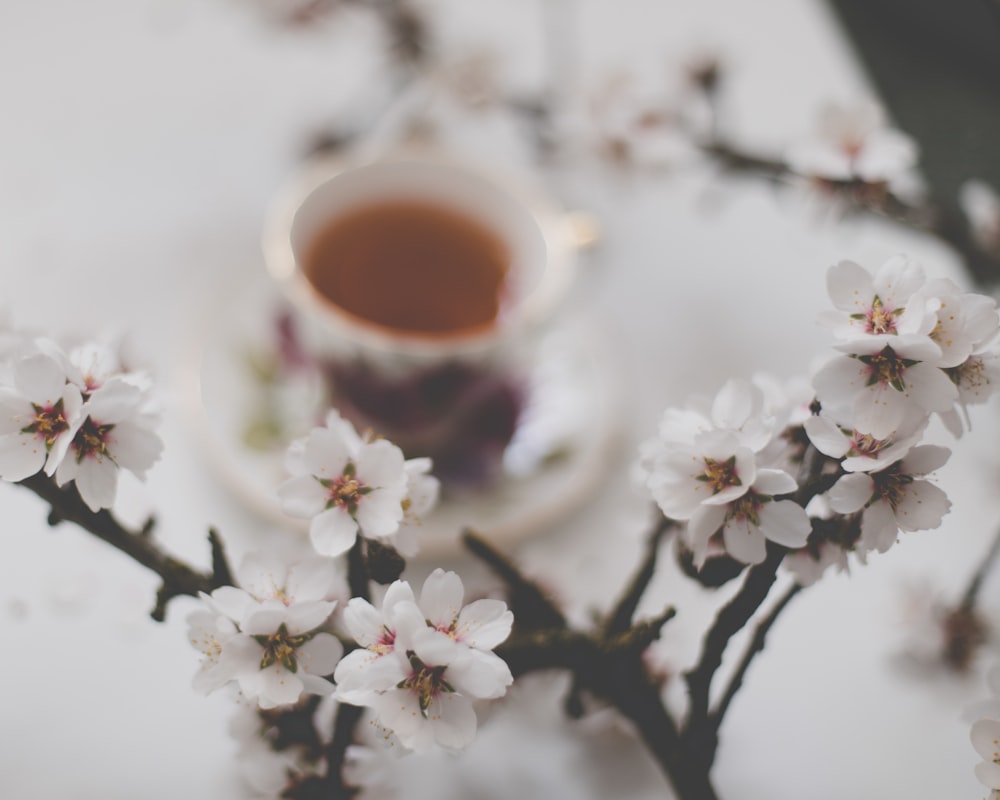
(730, 619)
(979, 576)
(612, 669)
(331, 786)
(531, 608)
(755, 646)
(927, 216)
(608, 666)
(621, 616)
(178, 578)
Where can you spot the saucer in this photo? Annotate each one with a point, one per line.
(247, 402)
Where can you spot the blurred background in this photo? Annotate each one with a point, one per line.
(141, 144)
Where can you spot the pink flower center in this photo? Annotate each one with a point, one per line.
(384, 643)
(49, 422)
(425, 681)
(885, 368)
(720, 475)
(864, 444)
(878, 318)
(91, 440)
(890, 485)
(345, 491)
(746, 509)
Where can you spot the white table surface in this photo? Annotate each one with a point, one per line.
(141, 142)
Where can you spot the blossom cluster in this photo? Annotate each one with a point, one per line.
(270, 637)
(346, 484)
(77, 414)
(908, 348)
(854, 143)
(420, 665)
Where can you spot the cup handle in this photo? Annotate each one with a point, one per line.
(583, 229)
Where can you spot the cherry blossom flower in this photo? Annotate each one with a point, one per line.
(272, 644)
(789, 404)
(642, 126)
(965, 322)
(985, 736)
(976, 380)
(877, 305)
(375, 633)
(738, 410)
(977, 375)
(482, 625)
(425, 694)
(209, 632)
(703, 467)
(894, 498)
(807, 565)
(422, 492)
(882, 384)
(854, 143)
(981, 205)
(269, 581)
(267, 772)
(39, 413)
(750, 519)
(902, 334)
(115, 431)
(421, 667)
(92, 364)
(862, 452)
(344, 484)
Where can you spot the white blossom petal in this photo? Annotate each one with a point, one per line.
(333, 531)
(879, 528)
(744, 541)
(851, 492)
(925, 459)
(20, 456)
(441, 597)
(827, 436)
(40, 378)
(319, 656)
(480, 674)
(303, 496)
(326, 453)
(774, 482)
(922, 507)
(985, 737)
(484, 624)
(785, 522)
(454, 720)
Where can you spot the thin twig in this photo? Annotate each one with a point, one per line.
(927, 216)
(531, 608)
(730, 619)
(755, 646)
(178, 578)
(621, 616)
(985, 565)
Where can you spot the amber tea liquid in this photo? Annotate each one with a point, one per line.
(411, 266)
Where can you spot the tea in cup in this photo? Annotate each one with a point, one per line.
(420, 285)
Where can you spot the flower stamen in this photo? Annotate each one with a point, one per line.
(280, 646)
(720, 475)
(91, 440)
(427, 682)
(886, 368)
(49, 422)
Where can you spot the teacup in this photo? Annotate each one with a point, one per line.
(420, 285)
